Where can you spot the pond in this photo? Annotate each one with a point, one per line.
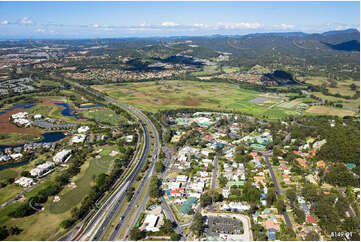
(18, 105)
(67, 111)
(47, 138)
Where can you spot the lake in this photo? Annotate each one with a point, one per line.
(47, 138)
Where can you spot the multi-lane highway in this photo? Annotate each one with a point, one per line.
(100, 222)
(141, 189)
(114, 205)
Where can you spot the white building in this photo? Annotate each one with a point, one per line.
(197, 187)
(174, 185)
(38, 116)
(150, 223)
(182, 178)
(129, 138)
(78, 138)
(20, 115)
(61, 156)
(83, 129)
(24, 181)
(42, 169)
(16, 156)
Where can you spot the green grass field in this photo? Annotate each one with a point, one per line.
(8, 192)
(84, 180)
(154, 96)
(16, 138)
(105, 115)
(207, 70)
(105, 152)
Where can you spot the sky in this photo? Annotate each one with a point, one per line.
(148, 19)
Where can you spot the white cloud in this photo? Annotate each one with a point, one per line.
(287, 26)
(40, 30)
(25, 21)
(95, 25)
(5, 22)
(169, 24)
(241, 25)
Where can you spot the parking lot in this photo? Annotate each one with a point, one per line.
(223, 225)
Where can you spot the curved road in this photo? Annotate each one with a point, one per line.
(100, 222)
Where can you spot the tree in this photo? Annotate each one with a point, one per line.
(4, 233)
(300, 215)
(312, 236)
(291, 194)
(250, 193)
(167, 227)
(342, 206)
(197, 225)
(271, 196)
(353, 87)
(280, 204)
(174, 236)
(310, 192)
(136, 234)
(154, 189)
(340, 176)
(25, 173)
(159, 166)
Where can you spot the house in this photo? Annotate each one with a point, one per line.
(271, 234)
(318, 144)
(286, 178)
(226, 191)
(129, 138)
(83, 129)
(175, 138)
(38, 116)
(311, 220)
(253, 154)
(182, 178)
(174, 185)
(321, 163)
(24, 181)
(311, 179)
(259, 179)
(16, 156)
(203, 173)
(78, 138)
(302, 162)
(272, 225)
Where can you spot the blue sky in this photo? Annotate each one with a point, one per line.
(144, 19)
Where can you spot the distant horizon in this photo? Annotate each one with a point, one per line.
(173, 36)
(88, 20)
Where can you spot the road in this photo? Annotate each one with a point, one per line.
(131, 179)
(278, 190)
(125, 217)
(215, 170)
(100, 222)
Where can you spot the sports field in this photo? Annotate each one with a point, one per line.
(162, 95)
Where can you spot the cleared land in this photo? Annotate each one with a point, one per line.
(330, 111)
(154, 96)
